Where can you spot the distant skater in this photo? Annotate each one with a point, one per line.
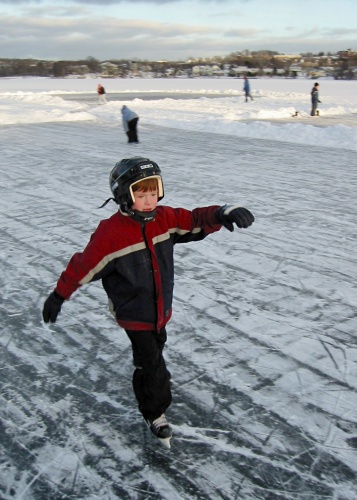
(315, 99)
(130, 123)
(246, 88)
(101, 93)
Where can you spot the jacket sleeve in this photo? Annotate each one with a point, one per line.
(125, 124)
(186, 225)
(90, 265)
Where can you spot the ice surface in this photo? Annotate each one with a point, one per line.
(262, 344)
(211, 105)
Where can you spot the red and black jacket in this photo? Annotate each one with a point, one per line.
(135, 262)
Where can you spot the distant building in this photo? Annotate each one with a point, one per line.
(347, 53)
(78, 70)
(109, 70)
(295, 70)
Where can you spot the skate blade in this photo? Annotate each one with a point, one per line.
(165, 442)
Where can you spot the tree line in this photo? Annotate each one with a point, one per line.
(342, 66)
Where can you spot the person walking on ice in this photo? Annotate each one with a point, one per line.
(315, 99)
(130, 123)
(132, 254)
(246, 88)
(101, 94)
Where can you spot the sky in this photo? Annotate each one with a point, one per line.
(172, 30)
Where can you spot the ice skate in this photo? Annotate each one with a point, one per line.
(161, 429)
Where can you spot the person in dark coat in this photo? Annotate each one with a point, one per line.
(132, 253)
(130, 123)
(246, 88)
(315, 99)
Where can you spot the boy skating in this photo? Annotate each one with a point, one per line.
(132, 253)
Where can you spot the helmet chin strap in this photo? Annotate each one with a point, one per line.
(107, 201)
(138, 216)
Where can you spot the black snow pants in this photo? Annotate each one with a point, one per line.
(151, 379)
(132, 133)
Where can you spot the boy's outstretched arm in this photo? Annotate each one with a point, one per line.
(228, 214)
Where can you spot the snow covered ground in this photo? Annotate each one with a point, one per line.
(262, 345)
(207, 105)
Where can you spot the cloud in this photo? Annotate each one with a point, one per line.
(110, 2)
(54, 11)
(67, 31)
(77, 38)
(244, 33)
(341, 32)
(105, 27)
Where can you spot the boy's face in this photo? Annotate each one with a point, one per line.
(145, 201)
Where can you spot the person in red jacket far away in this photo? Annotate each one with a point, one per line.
(101, 94)
(132, 253)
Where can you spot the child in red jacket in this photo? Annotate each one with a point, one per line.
(132, 253)
(101, 94)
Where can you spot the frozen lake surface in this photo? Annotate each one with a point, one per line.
(262, 346)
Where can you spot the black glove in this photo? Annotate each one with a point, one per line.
(52, 307)
(228, 214)
(319, 102)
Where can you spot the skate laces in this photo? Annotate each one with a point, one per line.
(160, 422)
(160, 427)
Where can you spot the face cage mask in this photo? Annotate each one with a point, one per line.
(143, 216)
(138, 216)
(160, 189)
